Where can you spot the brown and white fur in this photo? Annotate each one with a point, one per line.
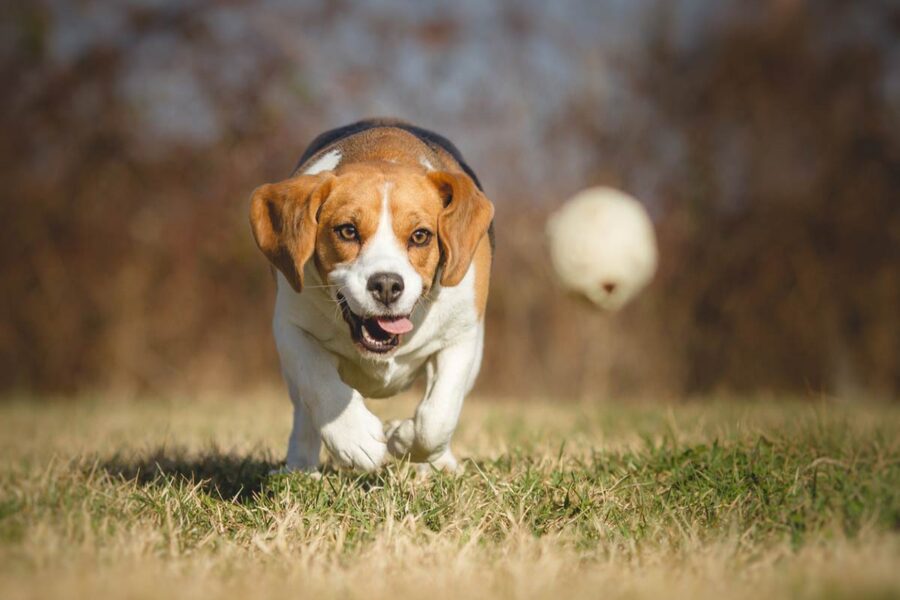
(381, 222)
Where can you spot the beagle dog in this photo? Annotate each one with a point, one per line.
(382, 241)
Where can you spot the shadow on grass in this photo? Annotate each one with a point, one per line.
(226, 475)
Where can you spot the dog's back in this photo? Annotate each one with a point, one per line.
(433, 140)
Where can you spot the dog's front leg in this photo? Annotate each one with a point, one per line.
(305, 441)
(450, 373)
(325, 408)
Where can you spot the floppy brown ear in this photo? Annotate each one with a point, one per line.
(464, 221)
(283, 218)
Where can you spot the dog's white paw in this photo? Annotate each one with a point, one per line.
(356, 441)
(446, 463)
(401, 443)
(400, 436)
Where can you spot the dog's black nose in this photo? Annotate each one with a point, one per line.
(385, 287)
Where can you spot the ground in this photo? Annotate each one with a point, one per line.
(142, 498)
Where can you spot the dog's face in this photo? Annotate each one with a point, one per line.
(378, 234)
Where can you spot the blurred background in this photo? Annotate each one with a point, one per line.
(764, 138)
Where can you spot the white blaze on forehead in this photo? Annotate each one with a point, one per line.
(327, 162)
(384, 242)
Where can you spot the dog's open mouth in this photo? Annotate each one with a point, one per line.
(378, 334)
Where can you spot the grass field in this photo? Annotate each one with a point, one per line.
(148, 498)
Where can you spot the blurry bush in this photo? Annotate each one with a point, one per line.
(785, 224)
(766, 140)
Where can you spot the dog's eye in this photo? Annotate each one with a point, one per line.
(420, 237)
(347, 232)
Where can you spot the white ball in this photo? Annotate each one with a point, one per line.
(603, 246)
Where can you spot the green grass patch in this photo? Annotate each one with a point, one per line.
(698, 477)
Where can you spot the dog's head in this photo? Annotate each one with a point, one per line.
(379, 234)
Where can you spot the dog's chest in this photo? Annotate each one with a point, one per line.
(379, 379)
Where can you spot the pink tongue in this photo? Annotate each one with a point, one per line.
(395, 326)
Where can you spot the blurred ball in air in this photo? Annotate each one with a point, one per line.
(603, 246)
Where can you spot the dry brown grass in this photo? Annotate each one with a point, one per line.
(75, 522)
